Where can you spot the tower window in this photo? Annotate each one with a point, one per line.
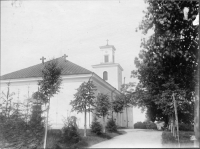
(106, 58)
(105, 75)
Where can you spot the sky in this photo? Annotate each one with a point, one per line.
(32, 29)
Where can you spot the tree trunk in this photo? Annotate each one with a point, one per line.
(46, 126)
(7, 97)
(174, 133)
(85, 128)
(112, 115)
(104, 126)
(127, 116)
(196, 112)
(117, 119)
(121, 119)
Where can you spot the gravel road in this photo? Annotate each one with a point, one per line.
(133, 138)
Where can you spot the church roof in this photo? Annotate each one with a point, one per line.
(69, 68)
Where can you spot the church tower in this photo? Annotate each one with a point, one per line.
(108, 69)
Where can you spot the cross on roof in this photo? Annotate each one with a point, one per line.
(107, 41)
(42, 59)
(65, 56)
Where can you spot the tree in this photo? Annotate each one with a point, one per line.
(19, 128)
(102, 107)
(50, 85)
(118, 105)
(84, 99)
(167, 63)
(6, 103)
(126, 97)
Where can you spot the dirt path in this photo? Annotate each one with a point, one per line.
(134, 138)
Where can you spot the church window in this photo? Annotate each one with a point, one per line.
(106, 58)
(105, 75)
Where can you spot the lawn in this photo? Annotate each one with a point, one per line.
(89, 140)
(169, 141)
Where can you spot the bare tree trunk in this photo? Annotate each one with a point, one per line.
(117, 119)
(127, 116)
(174, 133)
(85, 128)
(89, 115)
(121, 119)
(104, 127)
(7, 97)
(46, 126)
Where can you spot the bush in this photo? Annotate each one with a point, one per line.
(17, 132)
(151, 125)
(96, 127)
(140, 125)
(145, 125)
(70, 133)
(111, 126)
(186, 127)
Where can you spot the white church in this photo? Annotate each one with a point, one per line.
(106, 76)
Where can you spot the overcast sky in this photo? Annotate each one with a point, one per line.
(32, 29)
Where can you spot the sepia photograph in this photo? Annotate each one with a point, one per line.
(99, 74)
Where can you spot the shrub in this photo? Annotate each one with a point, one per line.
(111, 126)
(151, 125)
(70, 133)
(96, 127)
(140, 125)
(186, 127)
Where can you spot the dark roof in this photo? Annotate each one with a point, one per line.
(69, 68)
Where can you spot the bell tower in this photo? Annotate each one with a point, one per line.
(108, 69)
(108, 53)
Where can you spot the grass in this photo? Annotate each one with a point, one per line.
(91, 139)
(184, 136)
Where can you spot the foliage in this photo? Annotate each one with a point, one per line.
(140, 125)
(126, 101)
(7, 98)
(84, 99)
(167, 62)
(102, 106)
(19, 128)
(18, 132)
(145, 125)
(151, 125)
(184, 136)
(96, 127)
(111, 126)
(118, 105)
(186, 127)
(39, 97)
(49, 85)
(70, 134)
(51, 79)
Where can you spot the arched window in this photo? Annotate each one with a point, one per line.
(105, 75)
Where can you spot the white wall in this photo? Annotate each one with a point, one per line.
(112, 74)
(109, 52)
(59, 104)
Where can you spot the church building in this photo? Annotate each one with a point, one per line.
(106, 76)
